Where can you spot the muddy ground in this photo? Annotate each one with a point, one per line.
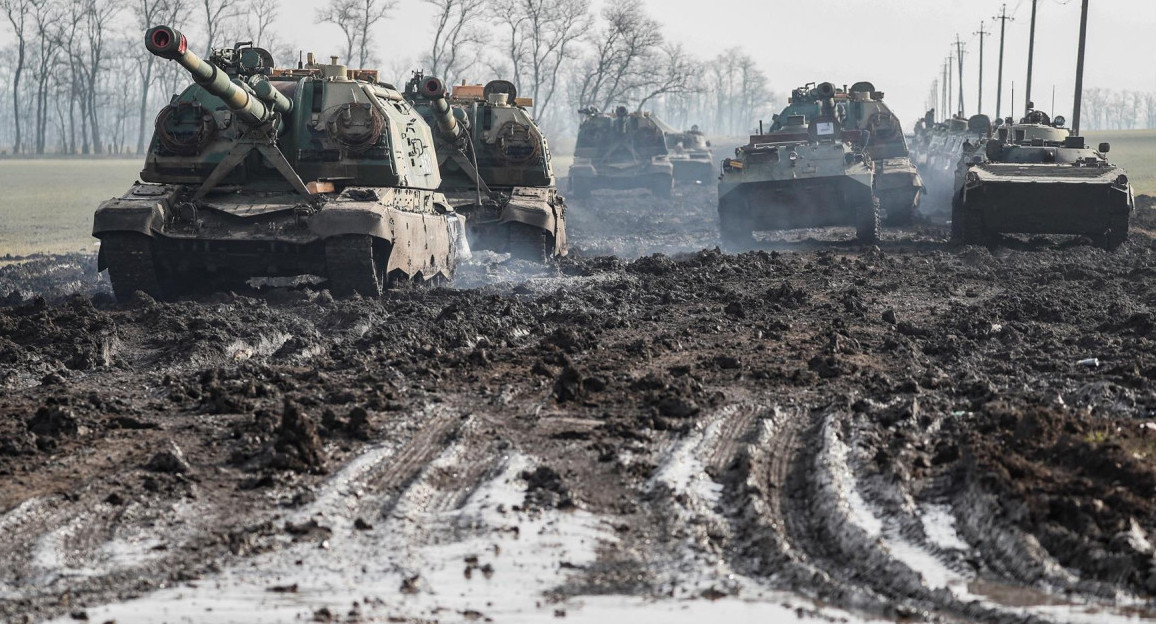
(812, 430)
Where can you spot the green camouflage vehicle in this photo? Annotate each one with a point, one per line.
(1033, 177)
(621, 151)
(806, 171)
(495, 165)
(898, 184)
(690, 155)
(256, 172)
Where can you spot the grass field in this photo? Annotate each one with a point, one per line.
(1134, 150)
(47, 205)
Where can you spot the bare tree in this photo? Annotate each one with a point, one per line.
(17, 12)
(149, 13)
(456, 37)
(356, 19)
(621, 50)
(538, 39)
(218, 14)
(262, 14)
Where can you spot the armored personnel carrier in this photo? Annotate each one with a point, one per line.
(620, 151)
(898, 185)
(807, 171)
(1033, 177)
(495, 166)
(257, 172)
(690, 155)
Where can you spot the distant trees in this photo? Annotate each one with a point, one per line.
(538, 39)
(458, 35)
(78, 81)
(356, 19)
(1111, 109)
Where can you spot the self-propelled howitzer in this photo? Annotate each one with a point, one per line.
(496, 166)
(259, 172)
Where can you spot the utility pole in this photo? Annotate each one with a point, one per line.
(950, 83)
(946, 74)
(1003, 20)
(982, 33)
(1080, 70)
(959, 58)
(1031, 55)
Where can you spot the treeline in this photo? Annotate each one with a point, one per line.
(1112, 109)
(78, 80)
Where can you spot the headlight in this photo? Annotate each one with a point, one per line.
(972, 178)
(794, 156)
(1122, 180)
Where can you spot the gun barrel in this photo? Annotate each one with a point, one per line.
(169, 43)
(434, 90)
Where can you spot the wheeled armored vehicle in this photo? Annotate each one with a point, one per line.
(621, 151)
(496, 166)
(806, 171)
(258, 172)
(1033, 177)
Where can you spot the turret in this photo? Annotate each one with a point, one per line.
(434, 90)
(255, 101)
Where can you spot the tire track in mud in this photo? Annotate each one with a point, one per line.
(823, 533)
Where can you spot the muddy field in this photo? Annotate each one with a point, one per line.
(651, 430)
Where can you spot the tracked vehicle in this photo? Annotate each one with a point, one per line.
(495, 166)
(1033, 177)
(257, 172)
(620, 151)
(806, 171)
(944, 145)
(690, 155)
(898, 185)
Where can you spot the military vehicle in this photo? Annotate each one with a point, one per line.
(495, 166)
(256, 172)
(806, 171)
(1033, 177)
(898, 184)
(690, 155)
(943, 146)
(620, 151)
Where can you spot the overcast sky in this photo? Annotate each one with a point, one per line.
(900, 45)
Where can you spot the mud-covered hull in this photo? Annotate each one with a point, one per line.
(693, 169)
(528, 222)
(793, 204)
(1017, 207)
(657, 176)
(233, 237)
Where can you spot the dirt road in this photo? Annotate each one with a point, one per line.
(812, 430)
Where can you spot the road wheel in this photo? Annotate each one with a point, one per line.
(131, 265)
(867, 222)
(356, 264)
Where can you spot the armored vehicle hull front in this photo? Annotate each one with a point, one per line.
(224, 196)
(690, 156)
(496, 166)
(805, 173)
(623, 151)
(1033, 178)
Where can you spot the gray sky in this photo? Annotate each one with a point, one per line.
(900, 45)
